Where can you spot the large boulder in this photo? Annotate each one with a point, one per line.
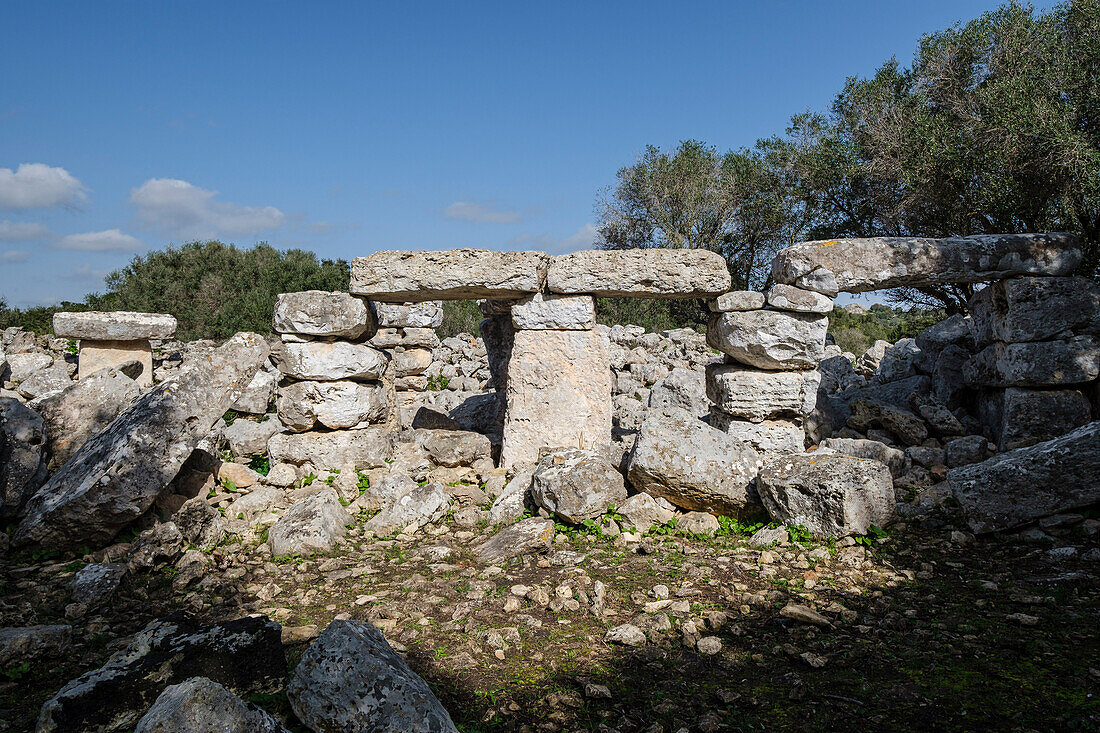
(526, 537)
(351, 679)
(367, 448)
(334, 405)
(830, 494)
(82, 410)
(1035, 309)
(420, 506)
(117, 474)
(875, 263)
(314, 524)
(1029, 416)
(577, 485)
(647, 273)
(244, 655)
(1035, 364)
(46, 382)
(755, 395)
(453, 448)
(200, 705)
(22, 644)
(322, 313)
(770, 339)
(680, 457)
(326, 361)
(1022, 485)
(256, 397)
(22, 438)
(453, 274)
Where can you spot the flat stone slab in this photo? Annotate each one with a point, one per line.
(874, 263)
(454, 274)
(114, 325)
(642, 273)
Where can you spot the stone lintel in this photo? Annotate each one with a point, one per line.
(455, 274)
(114, 326)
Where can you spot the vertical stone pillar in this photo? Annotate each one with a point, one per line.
(558, 379)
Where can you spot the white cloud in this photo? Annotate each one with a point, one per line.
(86, 272)
(583, 238)
(22, 231)
(185, 210)
(38, 186)
(111, 240)
(470, 211)
(13, 255)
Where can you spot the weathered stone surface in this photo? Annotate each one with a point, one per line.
(737, 300)
(22, 439)
(115, 476)
(966, 450)
(161, 543)
(98, 355)
(870, 449)
(1035, 309)
(323, 313)
(498, 335)
(682, 388)
(577, 485)
(256, 397)
(350, 679)
(420, 506)
(510, 505)
(790, 298)
(81, 410)
(428, 314)
(46, 382)
(830, 494)
(555, 312)
(1030, 416)
(367, 448)
(454, 274)
(875, 263)
(329, 361)
(302, 405)
(244, 655)
(410, 362)
(314, 524)
(249, 437)
(698, 523)
(558, 394)
(683, 459)
(526, 537)
(454, 447)
(200, 524)
(648, 273)
(114, 326)
(754, 395)
(908, 428)
(199, 705)
(1022, 485)
(1038, 364)
(641, 512)
(93, 585)
(898, 362)
(25, 365)
(767, 438)
(22, 644)
(770, 339)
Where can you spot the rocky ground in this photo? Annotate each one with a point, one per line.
(924, 628)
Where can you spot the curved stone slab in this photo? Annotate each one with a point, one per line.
(875, 263)
(114, 325)
(640, 273)
(454, 274)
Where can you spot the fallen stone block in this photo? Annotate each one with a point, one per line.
(455, 274)
(314, 524)
(870, 449)
(525, 537)
(22, 439)
(647, 273)
(577, 485)
(23, 644)
(420, 506)
(199, 705)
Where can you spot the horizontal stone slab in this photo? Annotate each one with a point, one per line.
(861, 265)
(737, 300)
(790, 298)
(330, 361)
(114, 325)
(454, 274)
(756, 395)
(770, 339)
(366, 448)
(428, 314)
(642, 273)
(322, 313)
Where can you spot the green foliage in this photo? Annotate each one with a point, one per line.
(856, 332)
(260, 464)
(653, 315)
(364, 483)
(798, 533)
(438, 383)
(874, 534)
(19, 672)
(728, 526)
(459, 316)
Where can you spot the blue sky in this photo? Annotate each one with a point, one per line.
(347, 128)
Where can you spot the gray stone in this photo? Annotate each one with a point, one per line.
(314, 524)
(641, 512)
(367, 448)
(24, 366)
(22, 644)
(511, 503)
(322, 313)
(411, 361)
(420, 506)
(1030, 416)
(790, 298)
(350, 679)
(95, 584)
(249, 437)
(22, 439)
(737, 300)
(648, 273)
(329, 361)
(966, 450)
(698, 523)
(47, 381)
(1035, 309)
(898, 362)
(1038, 364)
(908, 428)
(766, 438)
(114, 326)
(200, 524)
(159, 545)
(683, 459)
(577, 485)
(526, 537)
(454, 447)
(428, 314)
(766, 537)
(870, 449)
(837, 374)
(498, 335)
(953, 331)
(867, 363)
(334, 405)
(830, 494)
(1022, 485)
(755, 395)
(555, 312)
(117, 473)
(685, 389)
(244, 655)
(875, 263)
(770, 339)
(256, 397)
(455, 274)
(257, 501)
(199, 705)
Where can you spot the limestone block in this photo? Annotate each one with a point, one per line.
(558, 394)
(1029, 416)
(647, 273)
(1035, 309)
(367, 448)
(1035, 364)
(325, 361)
(409, 362)
(455, 274)
(257, 395)
(428, 314)
(737, 300)
(322, 313)
(860, 265)
(755, 395)
(770, 339)
(790, 298)
(555, 312)
(98, 355)
(114, 326)
(767, 438)
(341, 404)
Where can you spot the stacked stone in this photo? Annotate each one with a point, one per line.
(109, 340)
(332, 378)
(1038, 359)
(768, 384)
(406, 332)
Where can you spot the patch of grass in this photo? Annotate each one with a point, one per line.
(260, 464)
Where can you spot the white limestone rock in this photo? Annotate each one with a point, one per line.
(329, 361)
(555, 312)
(770, 339)
(737, 300)
(323, 313)
(114, 326)
(647, 273)
(790, 298)
(334, 405)
(577, 485)
(769, 437)
(756, 395)
(455, 274)
(366, 448)
(428, 314)
(314, 524)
